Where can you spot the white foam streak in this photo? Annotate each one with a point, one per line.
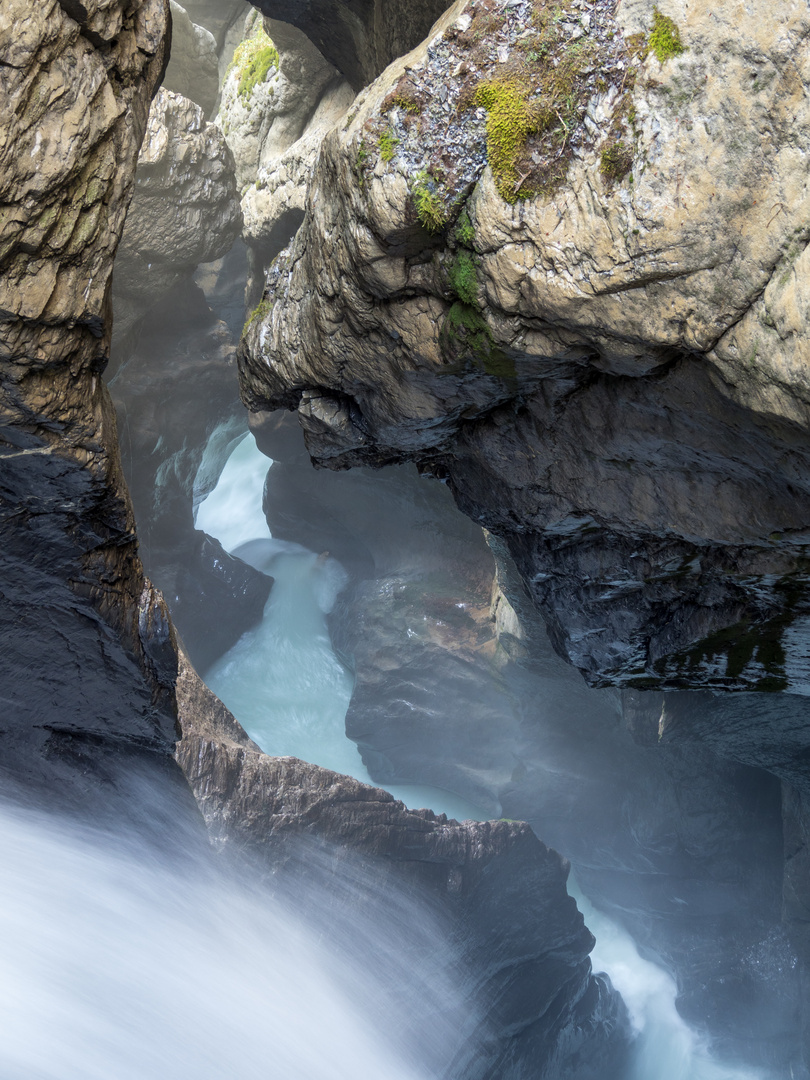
(666, 1047)
(116, 968)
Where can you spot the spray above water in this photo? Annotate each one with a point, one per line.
(115, 966)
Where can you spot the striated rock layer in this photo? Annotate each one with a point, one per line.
(88, 663)
(594, 330)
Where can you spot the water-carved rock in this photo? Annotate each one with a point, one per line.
(604, 362)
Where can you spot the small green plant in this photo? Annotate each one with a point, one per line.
(402, 100)
(360, 162)
(429, 206)
(466, 335)
(665, 38)
(260, 313)
(616, 161)
(463, 277)
(465, 232)
(388, 145)
(253, 59)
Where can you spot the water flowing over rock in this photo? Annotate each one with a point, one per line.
(609, 372)
(520, 936)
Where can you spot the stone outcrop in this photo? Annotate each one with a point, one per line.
(358, 37)
(590, 331)
(264, 120)
(521, 940)
(274, 129)
(177, 405)
(88, 665)
(193, 70)
(217, 16)
(185, 210)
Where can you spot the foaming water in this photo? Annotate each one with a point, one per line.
(285, 685)
(115, 966)
(282, 680)
(666, 1048)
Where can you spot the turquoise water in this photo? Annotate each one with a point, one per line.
(282, 680)
(286, 687)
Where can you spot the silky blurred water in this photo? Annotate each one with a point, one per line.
(666, 1048)
(115, 965)
(287, 688)
(282, 680)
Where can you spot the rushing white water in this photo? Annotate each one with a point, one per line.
(666, 1048)
(114, 966)
(289, 691)
(282, 680)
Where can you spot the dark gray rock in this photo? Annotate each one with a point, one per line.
(519, 938)
(176, 391)
(359, 38)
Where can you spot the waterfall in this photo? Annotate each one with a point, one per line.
(116, 963)
(287, 688)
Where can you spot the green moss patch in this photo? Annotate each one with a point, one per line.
(254, 59)
(465, 232)
(463, 277)
(615, 162)
(430, 208)
(388, 145)
(511, 118)
(465, 337)
(665, 38)
(259, 313)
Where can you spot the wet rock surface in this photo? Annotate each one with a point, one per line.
(88, 664)
(519, 935)
(608, 372)
(456, 689)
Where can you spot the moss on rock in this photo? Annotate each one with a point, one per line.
(665, 38)
(254, 58)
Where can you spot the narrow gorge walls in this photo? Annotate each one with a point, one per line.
(88, 659)
(605, 362)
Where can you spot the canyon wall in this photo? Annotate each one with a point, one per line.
(91, 700)
(88, 661)
(578, 297)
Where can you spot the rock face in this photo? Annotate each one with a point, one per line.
(358, 37)
(274, 129)
(263, 121)
(185, 209)
(88, 664)
(193, 70)
(591, 329)
(521, 939)
(177, 405)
